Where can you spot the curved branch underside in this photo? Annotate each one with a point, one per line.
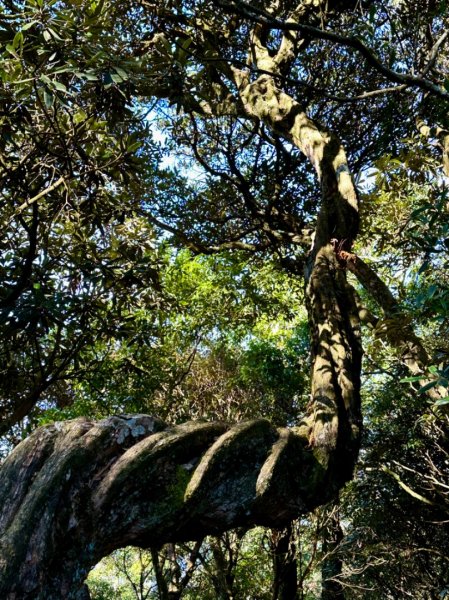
(74, 491)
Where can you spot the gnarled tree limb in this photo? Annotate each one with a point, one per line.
(74, 491)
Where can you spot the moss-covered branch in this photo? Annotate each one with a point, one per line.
(75, 491)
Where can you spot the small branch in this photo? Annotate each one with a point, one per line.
(395, 327)
(199, 248)
(34, 199)
(158, 571)
(211, 111)
(407, 488)
(191, 564)
(434, 52)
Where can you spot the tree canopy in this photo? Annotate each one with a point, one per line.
(204, 204)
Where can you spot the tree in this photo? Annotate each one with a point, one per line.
(232, 70)
(68, 151)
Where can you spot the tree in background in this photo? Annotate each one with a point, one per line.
(251, 85)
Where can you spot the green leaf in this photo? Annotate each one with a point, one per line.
(133, 147)
(59, 86)
(115, 78)
(48, 99)
(182, 52)
(79, 117)
(427, 387)
(411, 379)
(45, 79)
(10, 48)
(29, 25)
(86, 75)
(18, 40)
(442, 402)
(123, 74)
(53, 33)
(65, 69)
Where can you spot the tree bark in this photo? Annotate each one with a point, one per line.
(285, 567)
(334, 420)
(75, 491)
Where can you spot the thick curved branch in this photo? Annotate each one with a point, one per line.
(74, 491)
(281, 113)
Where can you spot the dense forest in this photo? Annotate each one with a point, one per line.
(224, 299)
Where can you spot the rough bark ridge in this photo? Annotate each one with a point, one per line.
(75, 491)
(334, 419)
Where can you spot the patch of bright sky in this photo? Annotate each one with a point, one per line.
(366, 180)
(171, 160)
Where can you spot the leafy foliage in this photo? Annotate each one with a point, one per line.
(102, 311)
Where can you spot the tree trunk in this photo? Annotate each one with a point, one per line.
(334, 420)
(331, 568)
(75, 491)
(222, 572)
(285, 576)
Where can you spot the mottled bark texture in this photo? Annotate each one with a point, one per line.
(74, 491)
(333, 422)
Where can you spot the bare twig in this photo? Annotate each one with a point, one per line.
(47, 190)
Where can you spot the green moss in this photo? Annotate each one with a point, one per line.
(176, 490)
